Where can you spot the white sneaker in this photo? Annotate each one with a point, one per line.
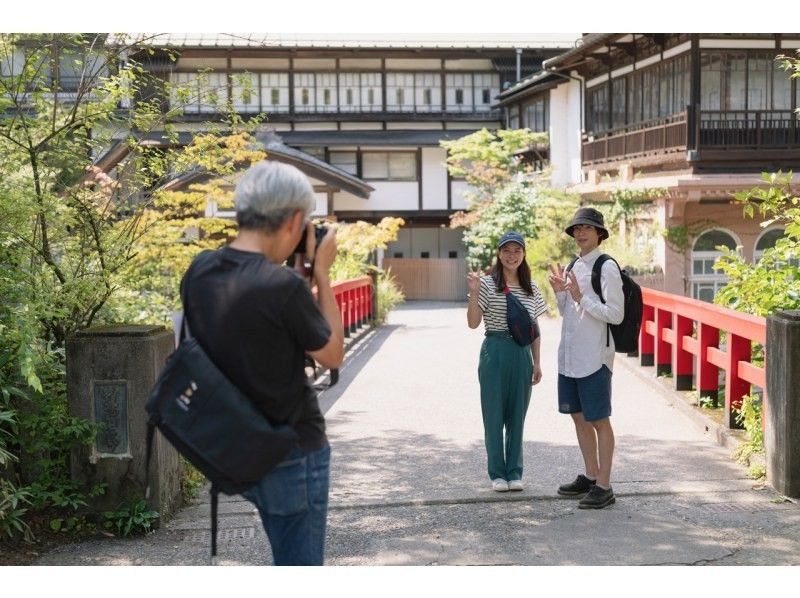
(516, 485)
(499, 485)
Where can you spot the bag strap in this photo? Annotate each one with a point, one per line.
(151, 428)
(214, 504)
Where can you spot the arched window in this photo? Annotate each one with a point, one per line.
(767, 240)
(706, 281)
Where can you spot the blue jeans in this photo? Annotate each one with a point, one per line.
(293, 502)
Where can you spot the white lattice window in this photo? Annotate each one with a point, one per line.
(428, 92)
(326, 92)
(349, 92)
(245, 88)
(274, 92)
(184, 92)
(487, 87)
(305, 99)
(459, 92)
(371, 92)
(213, 91)
(400, 92)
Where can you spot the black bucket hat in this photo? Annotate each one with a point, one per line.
(588, 216)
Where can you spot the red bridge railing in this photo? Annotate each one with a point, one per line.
(354, 298)
(678, 331)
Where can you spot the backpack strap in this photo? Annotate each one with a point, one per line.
(571, 264)
(596, 272)
(214, 503)
(151, 428)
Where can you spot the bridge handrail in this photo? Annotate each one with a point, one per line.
(676, 328)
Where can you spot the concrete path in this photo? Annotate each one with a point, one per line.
(409, 482)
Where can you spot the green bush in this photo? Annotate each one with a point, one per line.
(130, 520)
(389, 295)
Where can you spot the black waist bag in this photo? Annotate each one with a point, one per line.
(211, 423)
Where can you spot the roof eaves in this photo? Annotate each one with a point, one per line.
(583, 45)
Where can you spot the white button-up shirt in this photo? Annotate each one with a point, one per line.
(583, 349)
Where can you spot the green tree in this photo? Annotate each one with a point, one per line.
(489, 160)
(67, 232)
(774, 282)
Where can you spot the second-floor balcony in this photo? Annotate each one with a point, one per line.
(714, 135)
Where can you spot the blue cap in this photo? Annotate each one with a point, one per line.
(511, 237)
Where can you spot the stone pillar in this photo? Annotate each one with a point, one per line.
(110, 372)
(782, 425)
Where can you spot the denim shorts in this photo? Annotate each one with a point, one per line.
(590, 394)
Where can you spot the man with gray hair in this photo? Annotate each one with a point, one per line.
(257, 320)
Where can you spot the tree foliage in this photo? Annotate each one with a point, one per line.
(773, 283)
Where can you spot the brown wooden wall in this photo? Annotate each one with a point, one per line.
(439, 279)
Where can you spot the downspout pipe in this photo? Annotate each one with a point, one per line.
(519, 64)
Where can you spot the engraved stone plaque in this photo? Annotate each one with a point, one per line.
(111, 411)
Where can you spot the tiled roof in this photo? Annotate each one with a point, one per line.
(360, 40)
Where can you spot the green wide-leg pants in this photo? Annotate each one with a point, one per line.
(505, 370)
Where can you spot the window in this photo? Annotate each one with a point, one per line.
(618, 102)
(275, 92)
(458, 92)
(768, 240)
(206, 91)
(400, 92)
(304, 92)
(371, 92)
(389, 166)
(597, 108)
(349, 97)
(706, 281)
(425, 254)
(326, 92)
(536, 115)
(452, 254)
(428, 92)
(347, 161)
(487, 85)
(513, 117)
(245, 92)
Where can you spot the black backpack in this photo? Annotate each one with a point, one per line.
(626, 333)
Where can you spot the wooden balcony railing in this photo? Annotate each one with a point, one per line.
(661, 136)
(747, 129)
(714, 130)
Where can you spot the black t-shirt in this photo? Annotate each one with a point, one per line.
(255, 320)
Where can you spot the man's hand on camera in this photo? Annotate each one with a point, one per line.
(326, 253)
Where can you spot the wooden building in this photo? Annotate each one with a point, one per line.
(699, 115)
(368, 114)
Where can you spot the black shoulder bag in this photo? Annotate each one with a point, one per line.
(213, 424)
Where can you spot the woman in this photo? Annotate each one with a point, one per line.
(506, 370)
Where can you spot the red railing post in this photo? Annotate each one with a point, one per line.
(708, 373)
(646, 340)
(735, 386)
(351, 301)
(682, 359)
(663, 349)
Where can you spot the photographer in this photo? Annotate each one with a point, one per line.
(257, 319)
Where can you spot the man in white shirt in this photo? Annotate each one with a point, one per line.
(586, 356)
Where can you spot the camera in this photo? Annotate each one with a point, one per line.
(319, 232)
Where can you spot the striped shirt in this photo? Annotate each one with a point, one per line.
(493, 304)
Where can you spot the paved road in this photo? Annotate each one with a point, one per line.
(409, 484)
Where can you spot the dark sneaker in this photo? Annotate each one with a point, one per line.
(581, 485)
(597, 498)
